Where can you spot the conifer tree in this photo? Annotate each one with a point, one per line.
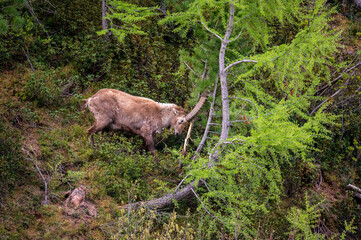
(267, 85)
(270, 57)
(124, 18)
(10, 17)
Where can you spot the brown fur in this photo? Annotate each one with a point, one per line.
(142, 116)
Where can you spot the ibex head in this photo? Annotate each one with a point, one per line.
(180, 121)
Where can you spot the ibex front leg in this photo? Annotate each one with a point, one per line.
(96, 127)
(148, 138)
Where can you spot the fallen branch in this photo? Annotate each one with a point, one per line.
(165, 201)
(353, 187)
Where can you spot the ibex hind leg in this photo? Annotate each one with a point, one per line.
(96, 127)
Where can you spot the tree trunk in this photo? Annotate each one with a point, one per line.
(223, 77)
(104, 14)
(165, 201)
(224, 87)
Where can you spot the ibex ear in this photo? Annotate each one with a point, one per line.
(175, 111)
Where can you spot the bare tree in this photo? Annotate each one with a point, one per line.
(104, 14)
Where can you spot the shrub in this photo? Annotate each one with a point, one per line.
(12, 162)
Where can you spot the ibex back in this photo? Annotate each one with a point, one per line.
(142, 116)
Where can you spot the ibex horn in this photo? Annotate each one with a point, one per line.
(198, 106)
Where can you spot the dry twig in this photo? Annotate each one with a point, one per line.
(35, 162)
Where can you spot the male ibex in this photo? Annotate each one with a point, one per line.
(142, 116)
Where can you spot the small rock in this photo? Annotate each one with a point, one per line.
(76, 198)
(76, 203)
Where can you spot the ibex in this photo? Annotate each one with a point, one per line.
(142, 116)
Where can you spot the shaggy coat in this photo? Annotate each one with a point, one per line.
(142, 116)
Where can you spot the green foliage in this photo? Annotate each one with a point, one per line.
(62, 149)
(4, 27)
(51, 87)
(90, 56)
(266, 163)
(43, 89)
(129, 16)
(143, 224)
(12, 162)
(304, 221)
(249, 178)
(271, 126)
(10, 17)
(295, 68)
(121, 171)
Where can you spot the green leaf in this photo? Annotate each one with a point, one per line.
(102, 32)
(4, 26)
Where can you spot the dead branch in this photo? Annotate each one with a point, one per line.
(27, 57)
(235, 141)
(354, 188)
(238, 62)
(347, 69)
(204, 74)
(184, 150)
(332, 96)
(205, 26)
(204, 207)
(32, 12)
(203, 140)
(165, 201)
(191, 69)
(35, 162)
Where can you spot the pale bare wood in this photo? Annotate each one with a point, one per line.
(353, 187)
(187, 137)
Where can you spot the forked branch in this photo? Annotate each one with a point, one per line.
(35, 162)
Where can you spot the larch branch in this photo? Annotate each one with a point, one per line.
(206, 27)
(238, 62)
